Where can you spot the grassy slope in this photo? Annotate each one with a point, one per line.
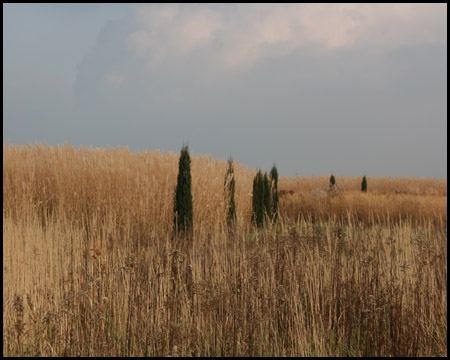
(91, 268)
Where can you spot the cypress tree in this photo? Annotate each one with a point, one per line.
(364, 184)
(254, 198)
(230, 186)
(183, 209)
(274, 181)
(332, 180)
(267, 197)
(258, 200)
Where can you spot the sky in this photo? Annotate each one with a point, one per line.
(348, 89)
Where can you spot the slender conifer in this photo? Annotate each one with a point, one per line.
(267, 197)
(258, 200)
(274, 181)
(183, 209)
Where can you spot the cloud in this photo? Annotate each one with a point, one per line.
(112, 78)
(277, 82)
(243, 34)
(167, 31)
(163, 53)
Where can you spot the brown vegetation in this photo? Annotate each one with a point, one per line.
(91, 268)
(388, 201)
(376, 185)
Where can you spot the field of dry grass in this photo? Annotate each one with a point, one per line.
(91, 268)
(388, 200)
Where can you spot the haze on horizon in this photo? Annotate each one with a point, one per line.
(348, 89)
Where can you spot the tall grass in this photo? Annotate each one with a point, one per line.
(376, 185)
(134, 191)
(91, 268)
(388, 200)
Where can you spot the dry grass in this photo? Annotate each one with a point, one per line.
(90, 268)
(388, 200)
(376, 185)
(135, 192)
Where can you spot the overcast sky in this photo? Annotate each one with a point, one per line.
(348, 89)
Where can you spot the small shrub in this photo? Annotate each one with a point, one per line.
(364, 184)
(332, 180)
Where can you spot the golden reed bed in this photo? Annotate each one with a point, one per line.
(137, 189)
(90, 266)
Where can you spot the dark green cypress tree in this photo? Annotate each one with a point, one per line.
(275, 201)
(364, 184)
(258, 200)
(183, 209)
(267, 197)
(230, 186)
(254, 198)
(332, 180)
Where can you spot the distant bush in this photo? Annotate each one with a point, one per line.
(332, 180)
(364, 184)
